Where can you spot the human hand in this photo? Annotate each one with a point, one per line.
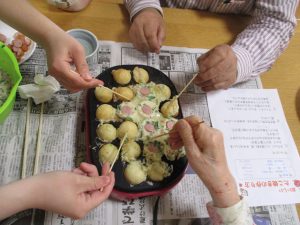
(147, 31)
(205, 152)
(73, 194)
(217, 69)
(62, 51)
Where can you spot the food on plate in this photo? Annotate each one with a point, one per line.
(19, 45)
(162, 92)
(108, 153)
(130, 128)
(153, 151)
(142, 119)
(140, 75)
(126, 110)
(103, 94)
(121, 76)
(124, 91)
(135, 172)
(106, 113)
(130, 151)
(106, 132)
(5, 86)
(170, 108)
(158, 170)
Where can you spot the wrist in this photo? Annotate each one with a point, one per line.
(150, 10)
(224, 194)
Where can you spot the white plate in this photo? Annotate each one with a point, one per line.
(9, 33)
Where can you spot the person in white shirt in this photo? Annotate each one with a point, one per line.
(253, 51)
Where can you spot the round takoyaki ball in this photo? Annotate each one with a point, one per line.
(157, 171)
(135, 173)
(107, 153)
(162, 91)
(130, 151)
(130, 128)
(106, 132)
(125, 91)
(103, 94)
(121, 76)
(106, 113)
(140, 75)
(170, 108)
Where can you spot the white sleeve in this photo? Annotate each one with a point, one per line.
(134, 6)
(238, 214)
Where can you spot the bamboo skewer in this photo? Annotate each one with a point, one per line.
(25, 148)
(186, 86)
(116, 93)
(116, 157)
(170, 132)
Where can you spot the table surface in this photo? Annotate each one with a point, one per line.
(108, 19)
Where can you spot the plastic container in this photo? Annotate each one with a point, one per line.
(9, 64)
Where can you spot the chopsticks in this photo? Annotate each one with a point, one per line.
(38, 144)
(171, 132)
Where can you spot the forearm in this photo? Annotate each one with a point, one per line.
(265, 38)
(17, 196)
(26, 19)
(134, 6)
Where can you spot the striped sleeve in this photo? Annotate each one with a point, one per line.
(265, 38)
(134, 6)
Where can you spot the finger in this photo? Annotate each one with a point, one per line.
(89, 169)
(79, 171)
(210, 59)
(141, 40)
(219, 71)
(105, 168)
(187, 137)
(161, 35)
(221, 85)
(99, 196)
(81, 65)
(212, 81)
(93, 183)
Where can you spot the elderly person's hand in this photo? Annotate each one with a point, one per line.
(147, 31)
(71, 194)
(63, 51)
(205, 152)
(217, 69)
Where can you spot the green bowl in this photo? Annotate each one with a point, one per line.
(9, 64)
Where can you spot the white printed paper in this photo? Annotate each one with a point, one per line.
(259, 146)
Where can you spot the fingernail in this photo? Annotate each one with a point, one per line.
(87, 76)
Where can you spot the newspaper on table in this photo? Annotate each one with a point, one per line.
(63, 144)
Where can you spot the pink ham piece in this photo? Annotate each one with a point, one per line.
(3, 38)
(145, 91)
(17, 43)
(170, 125)
(147, 109)
(126, 110)
(152, 148)
(149, 127)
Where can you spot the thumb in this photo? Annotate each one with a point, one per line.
(187, 137)
(161, 35)
(81, 65)
(94, 183)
